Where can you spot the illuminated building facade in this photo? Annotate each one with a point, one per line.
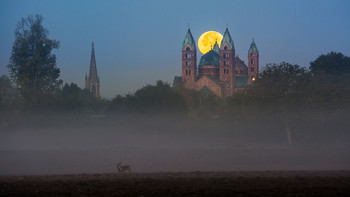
(219, 71)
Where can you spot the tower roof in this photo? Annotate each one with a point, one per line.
(227, 38)
(189, 39)
(216, 47)
(210, 58)
(253, 48)
(93, 70)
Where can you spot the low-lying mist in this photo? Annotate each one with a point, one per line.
(64, 143)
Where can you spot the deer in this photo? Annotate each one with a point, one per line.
(123, 168)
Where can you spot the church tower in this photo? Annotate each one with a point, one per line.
(92, 83)
(227, 55)
(189, 61)
(253, 63)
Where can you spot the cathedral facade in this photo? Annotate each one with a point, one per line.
(92, 82)
(219, 71)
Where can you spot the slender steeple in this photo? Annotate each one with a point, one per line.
(93, 70)
(92, 83)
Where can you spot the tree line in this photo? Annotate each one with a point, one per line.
(284, 97)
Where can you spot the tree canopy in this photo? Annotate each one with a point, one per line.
(150, 98)
(331, 63)
(32, 65)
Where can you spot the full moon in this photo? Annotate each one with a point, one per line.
(207, 41)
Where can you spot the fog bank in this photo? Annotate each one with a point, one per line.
(66, 143)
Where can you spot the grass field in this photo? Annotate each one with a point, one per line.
(240, 183)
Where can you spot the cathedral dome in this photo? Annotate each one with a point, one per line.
(210, 58)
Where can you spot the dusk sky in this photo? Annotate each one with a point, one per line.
(138, 42)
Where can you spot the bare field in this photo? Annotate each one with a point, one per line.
(240, 183)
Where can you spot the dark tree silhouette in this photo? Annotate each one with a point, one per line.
(32, 65)
(279, 89)
(332, 63)
(9, 97)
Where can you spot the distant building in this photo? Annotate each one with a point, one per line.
(219, 71)
(92, 82)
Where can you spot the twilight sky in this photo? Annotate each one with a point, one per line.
(138, 42)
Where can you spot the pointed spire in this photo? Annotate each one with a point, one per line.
(216, 47)
(227, 38)
(189, 39)
(93, 70)
(253, 48)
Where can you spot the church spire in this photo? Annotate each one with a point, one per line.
(93, 70)
(216, 47)
(189, 39)
(227, 38)
(253, 48)
(92, 83)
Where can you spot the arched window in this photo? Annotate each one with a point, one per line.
(252, 61)
(225, 48)
(188, 48)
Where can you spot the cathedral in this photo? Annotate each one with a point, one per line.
(219, 71)
(92, 82)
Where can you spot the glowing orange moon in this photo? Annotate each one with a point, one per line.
(207, 41)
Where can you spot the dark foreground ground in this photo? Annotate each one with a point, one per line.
(244, 183)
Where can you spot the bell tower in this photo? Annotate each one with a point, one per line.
(189, 61)
(92, 82)
(227, 55)
(253, 63)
